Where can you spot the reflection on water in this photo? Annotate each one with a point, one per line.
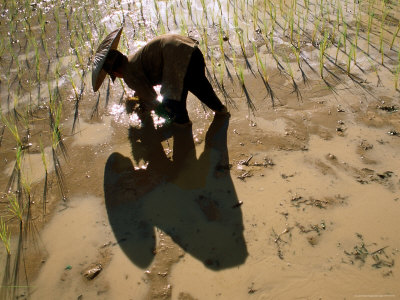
(120, 116)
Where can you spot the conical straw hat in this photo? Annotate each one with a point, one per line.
(109, 43)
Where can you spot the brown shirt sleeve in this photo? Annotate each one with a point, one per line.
(137, 81)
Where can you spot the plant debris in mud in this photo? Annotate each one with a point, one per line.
(93, 271)
(378, 257)
(367, 175)
(267, 162)
(298, 201)
(251, 289)
(388, 108)
(312, 229)
(364, 145)
(279, 242)
(245, 175)
(393, 133)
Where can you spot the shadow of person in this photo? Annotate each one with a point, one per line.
(191, 199)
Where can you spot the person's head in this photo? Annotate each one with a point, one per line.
(114, 64)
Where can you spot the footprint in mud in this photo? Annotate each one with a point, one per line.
(188, 198)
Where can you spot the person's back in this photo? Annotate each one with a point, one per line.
(164, 61)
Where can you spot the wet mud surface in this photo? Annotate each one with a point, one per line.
(295, 196)
(274, 206)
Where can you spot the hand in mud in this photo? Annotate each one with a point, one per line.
(132, 104)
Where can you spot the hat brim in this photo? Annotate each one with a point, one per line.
(109, 43)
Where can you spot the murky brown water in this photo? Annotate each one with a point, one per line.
(296, 201)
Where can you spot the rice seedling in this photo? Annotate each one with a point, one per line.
(243, 9)
(37, 59)
(296, 52)
(396, 78)
(349, 58)
(298, 39)
(203, 4)
(74, 88)
(2, 133)
(291, 74)
(379, 82)
(250, 103)
(291, 23)
(271, 42)
(221, 79)
(162, 27)
(381, 44)
(11, 125)
(57, 143)
(166, 14)
(221, 41)
(157, 8)
(27, 188)
(321, 8)
(239, 34)
(345, 36)
(264, 75)
(314, 33)
(338, 45)
(394, 36)
(397, 72)
(370, 19)
(272, 13)
(322, 49)
(285, 23)
(5, 236)
(183, 25)
(43, 155)
(172, 8)
(15, 207)
(254, 16)
(42, 21)
(358, 21)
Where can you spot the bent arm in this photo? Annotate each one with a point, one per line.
(145, 92)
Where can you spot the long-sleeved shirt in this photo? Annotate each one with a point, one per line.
(164, 60)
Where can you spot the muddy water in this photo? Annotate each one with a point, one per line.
(187, 220)
(299, 200)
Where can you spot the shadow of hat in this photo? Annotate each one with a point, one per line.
(109, 43)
